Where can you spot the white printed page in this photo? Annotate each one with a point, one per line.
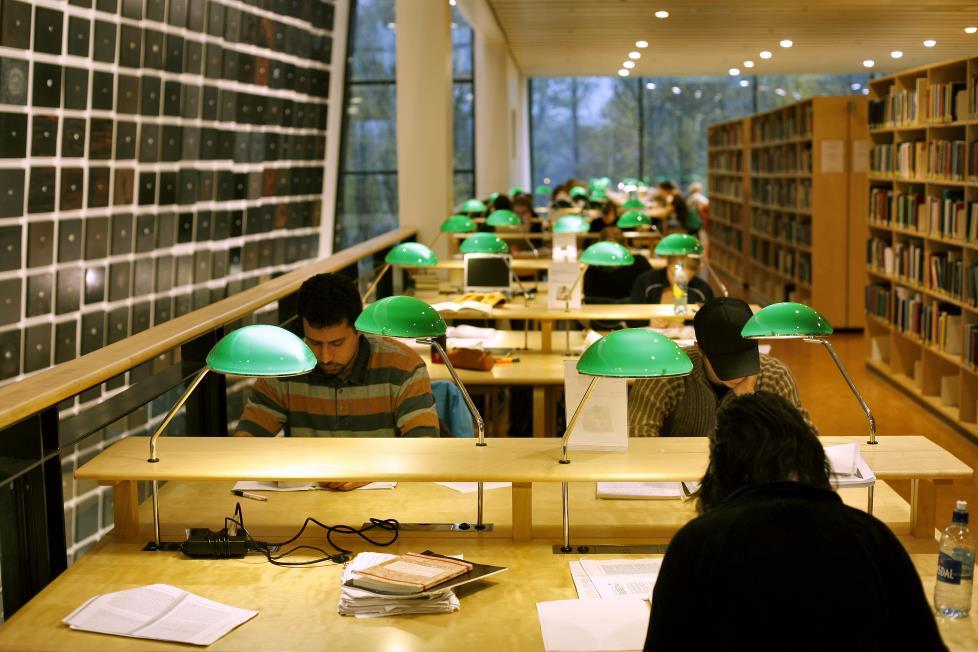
(196, 620)
(622, 578)
(582, 582)
(603, 424)
(560, 277)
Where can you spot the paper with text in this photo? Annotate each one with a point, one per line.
(560, 277)
(623, 578)
(603, 425)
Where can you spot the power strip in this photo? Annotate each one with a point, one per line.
(203, 543)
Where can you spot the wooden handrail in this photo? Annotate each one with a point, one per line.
(49, 387)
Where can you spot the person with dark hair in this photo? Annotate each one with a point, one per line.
(655, 285)
(776, 560)
(364, 385)
(612, 284)
(724, 365)
(677, 210)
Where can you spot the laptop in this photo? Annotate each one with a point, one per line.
(487, 272)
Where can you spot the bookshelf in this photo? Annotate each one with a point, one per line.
(791, 204)
(921, 296)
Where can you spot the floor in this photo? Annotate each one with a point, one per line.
(835, 410)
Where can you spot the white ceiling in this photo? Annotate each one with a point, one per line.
(708, 37)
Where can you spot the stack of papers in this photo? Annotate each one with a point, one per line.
(160, 612)
(366, 604)
(848, 467)
(471, 337)
(646, 490)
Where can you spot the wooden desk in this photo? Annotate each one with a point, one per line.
(521, 461)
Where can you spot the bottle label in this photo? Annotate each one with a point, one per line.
(948, 569)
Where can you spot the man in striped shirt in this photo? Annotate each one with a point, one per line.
(364, 385)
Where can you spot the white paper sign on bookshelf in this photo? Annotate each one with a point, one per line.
(603, 425)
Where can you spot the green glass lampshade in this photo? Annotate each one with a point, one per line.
(633, 205)
(493, 196)
(484, 243)
(401, 317)
(516, 190)
(634, 353)
(786, 320)
(607, 254)
(411, 254)
(678, 244)
(571, 224)
(261, 350)
(457, 224)
(598, 194)
(472, 206)
(542, 189)
(631, 181)
(632, 220)
(504, 217)
(578, 191)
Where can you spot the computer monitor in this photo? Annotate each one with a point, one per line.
(487, 272)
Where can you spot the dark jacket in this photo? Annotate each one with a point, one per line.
(613, 282)
(648, 288)
(785, 566)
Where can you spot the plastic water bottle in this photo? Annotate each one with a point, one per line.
(680, 288)
(955, 566)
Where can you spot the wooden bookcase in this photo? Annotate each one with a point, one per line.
(791, 197)
(921, 296)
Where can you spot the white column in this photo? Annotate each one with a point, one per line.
(424, 114)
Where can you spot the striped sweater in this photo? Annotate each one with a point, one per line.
(686, 406)
(386, 393)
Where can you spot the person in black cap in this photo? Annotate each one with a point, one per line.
(724, 365)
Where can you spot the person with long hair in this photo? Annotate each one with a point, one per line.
(776, 560)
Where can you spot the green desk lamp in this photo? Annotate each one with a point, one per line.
(633, 220)
(506, 219)
(628, 353)
(792, 321)
(516, 190)
(407, 254)
(409, 317)
(578, 191)
(598, 195)
(473, 207)
(602, 254)
(490, 243)
(457, 223)
(542, 189)
(683, 244)
(572, 223)
(258, 350)
(633, 205)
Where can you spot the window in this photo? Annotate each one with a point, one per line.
(463, 102)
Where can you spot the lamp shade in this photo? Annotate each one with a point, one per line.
(504, 217)
(401, 317)
(484, 243)
(633, 205)
(261, 350)
(516, 190)
(542, 189)
(786, 320)
(571, 224)
(411, 254)
(457, 224)
(634, 353)
(578, 191)
(598, 194)
(678, 244)
(607, 254)
(633, 219)
(472, 206)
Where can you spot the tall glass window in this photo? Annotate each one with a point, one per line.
(366, 203)
(463, 101)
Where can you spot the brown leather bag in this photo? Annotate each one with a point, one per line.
(475, 359)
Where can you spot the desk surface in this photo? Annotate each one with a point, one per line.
(423, 460)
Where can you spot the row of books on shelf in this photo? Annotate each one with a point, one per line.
(782, 160)
(726, 136)
(902, 259)
(783, 125)
(925, 103)
(782, 192)
(727, 161)
(726, 186)
(920, 159)
(789, 228)
(947, 215)
(724, 234)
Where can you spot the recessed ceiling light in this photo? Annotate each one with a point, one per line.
(786, 43)
(734, 71)
(765, 54)
(868, 63)
(796, 95)
(634, 55)
(744, 83)
(748, 64)
(641, 44)
(623, 72)
(650, 86)
(676, 90)
(855, 86)
(628, 64)
(661, 14)
(896, 54)
(865, 91)
(929, 43)
(780, 92)
(970, 30)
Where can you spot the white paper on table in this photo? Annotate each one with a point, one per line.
(250, 485)
(472, 487)
(474, 332)
(842, 458)
(623, 578)
(590, 337)
(640, 490)
(564, 247)
(160, 612)
(593, 625)
(583, 584)
(603, 425)
(560, 277)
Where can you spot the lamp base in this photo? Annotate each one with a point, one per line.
(610, 549)
(442, 527)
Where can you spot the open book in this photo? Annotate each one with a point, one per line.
(410, 573)
(476, 572)
(158, 611)
(848, 469)
(459, 306)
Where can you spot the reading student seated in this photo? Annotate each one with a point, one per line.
(776, 560)
(655, 285)
(364, 385)
(724, 365)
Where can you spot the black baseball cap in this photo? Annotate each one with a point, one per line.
(718, 324)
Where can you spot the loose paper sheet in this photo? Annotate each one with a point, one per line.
(603, 426)
(564, 247)
(561, 276)
(472, 487)
(593, 625)
(623, 578)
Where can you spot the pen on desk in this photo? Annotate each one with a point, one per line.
(507, 360)
(248, 494)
